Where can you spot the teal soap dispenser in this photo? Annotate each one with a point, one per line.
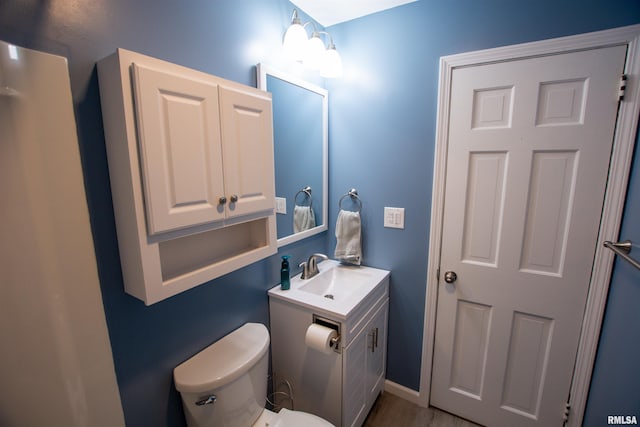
(285, 282)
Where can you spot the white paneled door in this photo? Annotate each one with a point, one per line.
(529, 148)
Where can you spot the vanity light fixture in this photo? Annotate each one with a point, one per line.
(295, 39)
(312, 52)
(332, 64)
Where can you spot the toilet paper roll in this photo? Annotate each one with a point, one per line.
(319, 337)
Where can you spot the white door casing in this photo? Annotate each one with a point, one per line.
(529, 148)
(613, 205)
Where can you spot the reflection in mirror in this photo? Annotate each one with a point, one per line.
(300, 134)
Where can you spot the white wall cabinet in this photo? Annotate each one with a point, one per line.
(192, 173)
(342, 386)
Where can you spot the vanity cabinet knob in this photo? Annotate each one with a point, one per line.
(222, 200)
(234, 198)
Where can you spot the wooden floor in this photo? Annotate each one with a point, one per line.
(390, 410)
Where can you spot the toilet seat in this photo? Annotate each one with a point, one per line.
(288, 418)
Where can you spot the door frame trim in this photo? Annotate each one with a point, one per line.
(619, 169)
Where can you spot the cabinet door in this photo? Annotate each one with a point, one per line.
(247, 135)
(354, 396)
(180, 149)
(364, 369)
(376, 353)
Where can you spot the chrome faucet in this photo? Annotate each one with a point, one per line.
(310, 267)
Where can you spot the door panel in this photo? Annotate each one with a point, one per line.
(526, 363)
(552, 183)
(484, 206)
(527, 162)
(469, 355)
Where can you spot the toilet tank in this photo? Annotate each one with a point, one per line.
(234, 370)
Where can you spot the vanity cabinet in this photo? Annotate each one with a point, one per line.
(340, 386)
(192, 173)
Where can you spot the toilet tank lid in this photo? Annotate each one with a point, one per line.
(223, 361)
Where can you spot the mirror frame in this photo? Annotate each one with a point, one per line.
(263, 71)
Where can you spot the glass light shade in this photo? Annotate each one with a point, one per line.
(315, 52)
(295, 42)
(331, 64)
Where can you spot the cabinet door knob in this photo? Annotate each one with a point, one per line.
(222, 200)
(234, 198)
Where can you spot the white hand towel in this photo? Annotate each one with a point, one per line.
(303, 218)
(348, 235)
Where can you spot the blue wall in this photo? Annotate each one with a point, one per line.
(382, 127)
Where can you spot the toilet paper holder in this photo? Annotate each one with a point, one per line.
(328, 323)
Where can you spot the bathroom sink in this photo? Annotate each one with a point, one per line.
(336, 283)
(338, 289)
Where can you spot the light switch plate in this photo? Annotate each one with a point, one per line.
(394, 217)
(281, 205)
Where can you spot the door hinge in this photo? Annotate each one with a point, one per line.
(623, 87)
(565, 413)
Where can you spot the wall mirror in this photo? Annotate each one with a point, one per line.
(300, 134)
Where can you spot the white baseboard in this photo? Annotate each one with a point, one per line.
(402, 392)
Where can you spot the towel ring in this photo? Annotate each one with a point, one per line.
(306, 190)
(353, 194)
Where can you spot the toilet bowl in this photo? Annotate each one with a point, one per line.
(226, 384)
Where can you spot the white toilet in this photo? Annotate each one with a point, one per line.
(226, 384)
